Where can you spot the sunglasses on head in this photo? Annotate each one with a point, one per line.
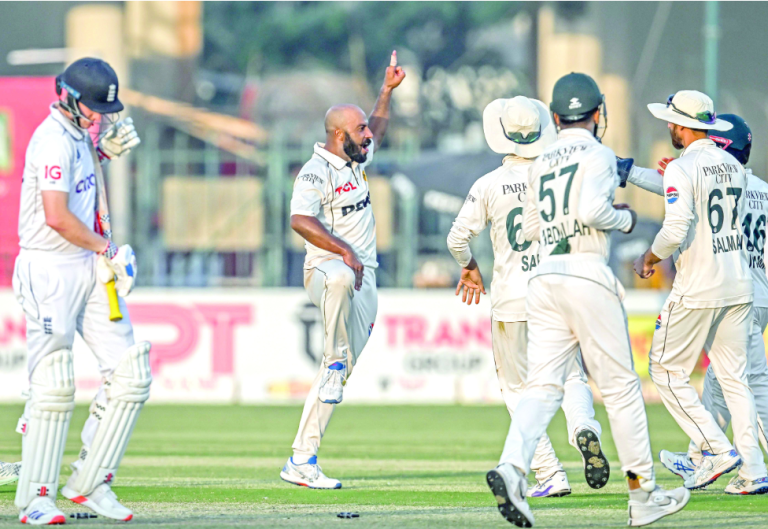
(706, 117)
(519, 138)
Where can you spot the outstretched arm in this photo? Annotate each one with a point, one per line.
(379, 118)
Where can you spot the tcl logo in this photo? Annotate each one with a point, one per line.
(54, 172)
(345, 188)
(360, 206)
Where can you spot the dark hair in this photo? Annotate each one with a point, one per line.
(568, 121)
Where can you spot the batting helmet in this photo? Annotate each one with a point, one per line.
(91, 82)
(737, 141)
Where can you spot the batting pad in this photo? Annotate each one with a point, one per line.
(48, 412)
(127, 391)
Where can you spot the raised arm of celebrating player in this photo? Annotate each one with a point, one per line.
(379, 118)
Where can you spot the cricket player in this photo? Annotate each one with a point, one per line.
(9, 472)
(738, 143)
(521, 128)
(710, 306)
(59, 281)
(574, 301)
(331, 210)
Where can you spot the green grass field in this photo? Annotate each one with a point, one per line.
(401, 466)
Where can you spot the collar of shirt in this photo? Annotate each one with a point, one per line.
(511, 159)
(337, 163)
(64, 122)
(703, 143)
(576, 132)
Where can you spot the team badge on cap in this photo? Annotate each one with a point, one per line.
(672, 195)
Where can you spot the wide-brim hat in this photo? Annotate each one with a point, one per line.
(691, 109)
(519, 126)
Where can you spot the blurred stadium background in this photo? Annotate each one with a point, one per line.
(229, 98)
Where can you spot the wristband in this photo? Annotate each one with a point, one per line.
(110, 251)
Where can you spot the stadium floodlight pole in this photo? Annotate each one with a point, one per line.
(711, 42)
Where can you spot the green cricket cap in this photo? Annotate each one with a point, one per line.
(575, 96)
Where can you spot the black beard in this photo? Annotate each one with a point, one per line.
(354, 150)
(676, 143)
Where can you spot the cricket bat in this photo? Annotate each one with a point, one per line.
(104, 227)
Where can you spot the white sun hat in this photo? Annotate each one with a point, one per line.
(519, 126)
(689, 108)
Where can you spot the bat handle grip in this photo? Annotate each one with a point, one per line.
(114, 306)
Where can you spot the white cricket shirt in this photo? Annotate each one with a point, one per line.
(754, 229)
(705, 205)
(58, 159)
(498, 199)
(569, 209)
(337, 194)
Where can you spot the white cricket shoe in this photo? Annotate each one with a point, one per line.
(712, 467)
(308, 475)
(9, 472)
(596, 467)
(739, 485)
(508, 486)
(42, 511)
(101, 501)
(678, 463)
(554, 486)
(660, 503)
(332, 385)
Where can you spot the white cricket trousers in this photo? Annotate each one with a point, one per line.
(676, 347)
(757, 377)
(348, 318)
(565, 313)
(61, 295)
(510, 343)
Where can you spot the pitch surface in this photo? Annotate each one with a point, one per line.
(401, 467)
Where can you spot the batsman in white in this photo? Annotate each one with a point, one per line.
(574, 300)
(710, 306)
(737, 142)
(521, 128)
(59, 281)
(331, 210)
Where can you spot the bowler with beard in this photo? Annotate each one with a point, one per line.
(331, 210)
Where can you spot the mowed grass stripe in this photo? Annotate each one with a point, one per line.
(402, 467)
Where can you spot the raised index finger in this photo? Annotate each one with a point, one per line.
(393, 58)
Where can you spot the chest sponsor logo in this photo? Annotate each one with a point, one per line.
(86, 183)
(346, 188)
(53, 172)
(360, 206)
(672, 195)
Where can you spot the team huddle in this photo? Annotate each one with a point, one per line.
(550, 207)
(557, 308)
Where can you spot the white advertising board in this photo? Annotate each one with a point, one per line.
(264, 346)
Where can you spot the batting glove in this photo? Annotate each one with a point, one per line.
(118, 140)
(121, 267)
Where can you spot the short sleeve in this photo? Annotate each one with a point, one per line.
(53, 159)
(309, 194)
